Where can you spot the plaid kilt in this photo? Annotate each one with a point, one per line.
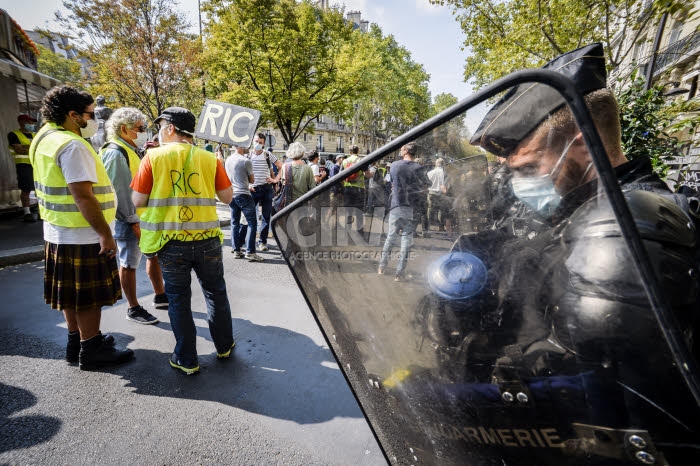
(77, 277)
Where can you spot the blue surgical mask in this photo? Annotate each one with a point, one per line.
(30, 128)
(539, 192)
(258, 146)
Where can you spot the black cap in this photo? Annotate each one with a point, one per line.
(183, 119)
(527, 105)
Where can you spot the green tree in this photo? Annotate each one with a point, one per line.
(650, 124)
(288, 59)
(504, 36)
(398, 97)
(59, 67)
(451, 139)
(138, 52)
(442, 102)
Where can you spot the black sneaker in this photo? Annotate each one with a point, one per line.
(29, 218)
(160, 301)
(141, 316)
(188, 369)
(95, 353)
(226, 354)
(73, 346)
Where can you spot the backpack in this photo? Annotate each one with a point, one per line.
(284, 196)
(112, 145)
(355, 176)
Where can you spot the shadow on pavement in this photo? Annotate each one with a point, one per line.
(273, 371)
(18, 431)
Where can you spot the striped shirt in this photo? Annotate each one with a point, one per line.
(261, 170)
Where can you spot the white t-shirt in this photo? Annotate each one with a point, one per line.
(315, 169)
(437, 178)
(77, 164)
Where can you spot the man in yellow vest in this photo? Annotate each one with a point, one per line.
(354, 192)
(178, 184)
(77, 204)
(126, 131)
(19, 141)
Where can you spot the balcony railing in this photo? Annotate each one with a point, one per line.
(331, 126)
(677, 51)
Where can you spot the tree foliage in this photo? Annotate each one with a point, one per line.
(288, 59)
(398, 97)
(504, 36)
(138, 52)
(451, 139)
(649, 123)
(59, 67)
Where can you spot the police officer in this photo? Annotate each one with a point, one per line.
(178, 184)
(19, 141)
(571, 297)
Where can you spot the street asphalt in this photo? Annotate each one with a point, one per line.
(281, 399)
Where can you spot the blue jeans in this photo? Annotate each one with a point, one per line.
(263, 195)
(243, 203)
(401, 223)
(177, 259)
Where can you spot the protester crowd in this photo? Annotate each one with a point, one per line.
(109, 194)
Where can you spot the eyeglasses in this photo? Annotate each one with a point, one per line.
(140, 129)
(92, 114)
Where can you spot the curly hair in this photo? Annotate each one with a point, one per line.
(127, 116)
(61, 100)
(296, 150)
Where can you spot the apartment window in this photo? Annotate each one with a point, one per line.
(693, 88)
(675, 32)
(305, 137)
(638, 50)
(320, 142)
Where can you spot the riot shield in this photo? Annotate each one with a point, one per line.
(538, 312)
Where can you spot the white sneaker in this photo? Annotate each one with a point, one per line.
(237, 254)
(254, 257)
(262, 247)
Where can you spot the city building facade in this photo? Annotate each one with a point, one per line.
(675, 66)
(21, 89)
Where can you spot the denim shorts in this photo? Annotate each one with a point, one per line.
(129, 253)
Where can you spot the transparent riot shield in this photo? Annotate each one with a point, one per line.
(536, 312)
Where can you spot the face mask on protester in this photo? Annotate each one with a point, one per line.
(90, 130)
(141, 139)
(160, 135)
(539, 192)
(30, 128)
(258, 146)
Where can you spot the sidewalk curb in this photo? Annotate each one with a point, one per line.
(21, 255)
(18, 256)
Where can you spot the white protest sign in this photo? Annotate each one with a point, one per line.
(227, 123)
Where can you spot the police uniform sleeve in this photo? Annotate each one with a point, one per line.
(597, 293)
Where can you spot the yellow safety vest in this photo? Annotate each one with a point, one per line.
(134, 163)
(56, 204)
(24, 140)
(182, 203)
(360, 180)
